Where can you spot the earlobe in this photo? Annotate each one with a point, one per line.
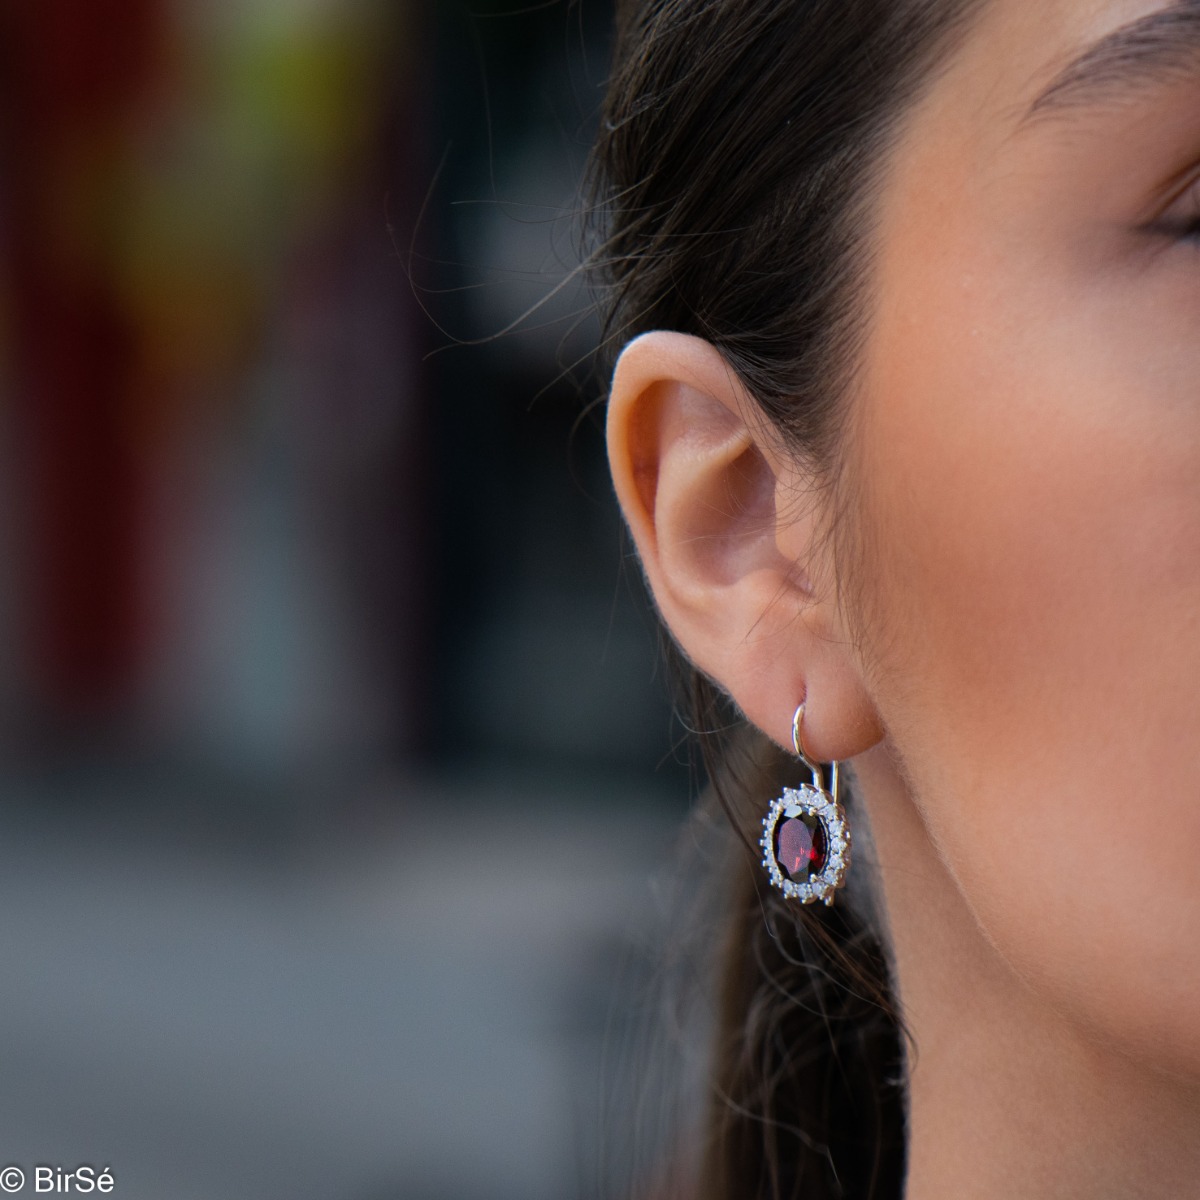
(701, 480)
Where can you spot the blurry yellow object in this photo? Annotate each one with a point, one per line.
(266, 124)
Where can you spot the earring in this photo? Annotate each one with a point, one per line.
(806, 841)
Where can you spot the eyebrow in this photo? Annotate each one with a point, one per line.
(1160, 48)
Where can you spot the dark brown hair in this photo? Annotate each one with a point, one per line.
(732, 185)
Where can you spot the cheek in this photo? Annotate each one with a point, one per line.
(1034, 616)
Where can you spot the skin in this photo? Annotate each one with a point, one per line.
(1010, 656)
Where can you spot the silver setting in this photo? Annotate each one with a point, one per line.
(796, 802)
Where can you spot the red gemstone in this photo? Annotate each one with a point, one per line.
(800, 846)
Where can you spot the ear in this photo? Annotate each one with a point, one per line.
(728, 529)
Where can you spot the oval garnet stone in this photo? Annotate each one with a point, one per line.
(800, 846)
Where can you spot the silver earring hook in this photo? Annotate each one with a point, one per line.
(818, 775)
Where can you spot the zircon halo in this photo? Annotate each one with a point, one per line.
(806, 844)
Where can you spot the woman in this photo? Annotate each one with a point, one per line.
(906, 428)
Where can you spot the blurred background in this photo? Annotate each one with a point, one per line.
(337, 774)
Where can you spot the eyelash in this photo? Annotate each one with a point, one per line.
(1188, 223)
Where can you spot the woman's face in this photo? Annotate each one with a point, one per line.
(1027, 446)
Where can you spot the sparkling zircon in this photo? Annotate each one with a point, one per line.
(800, 846)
